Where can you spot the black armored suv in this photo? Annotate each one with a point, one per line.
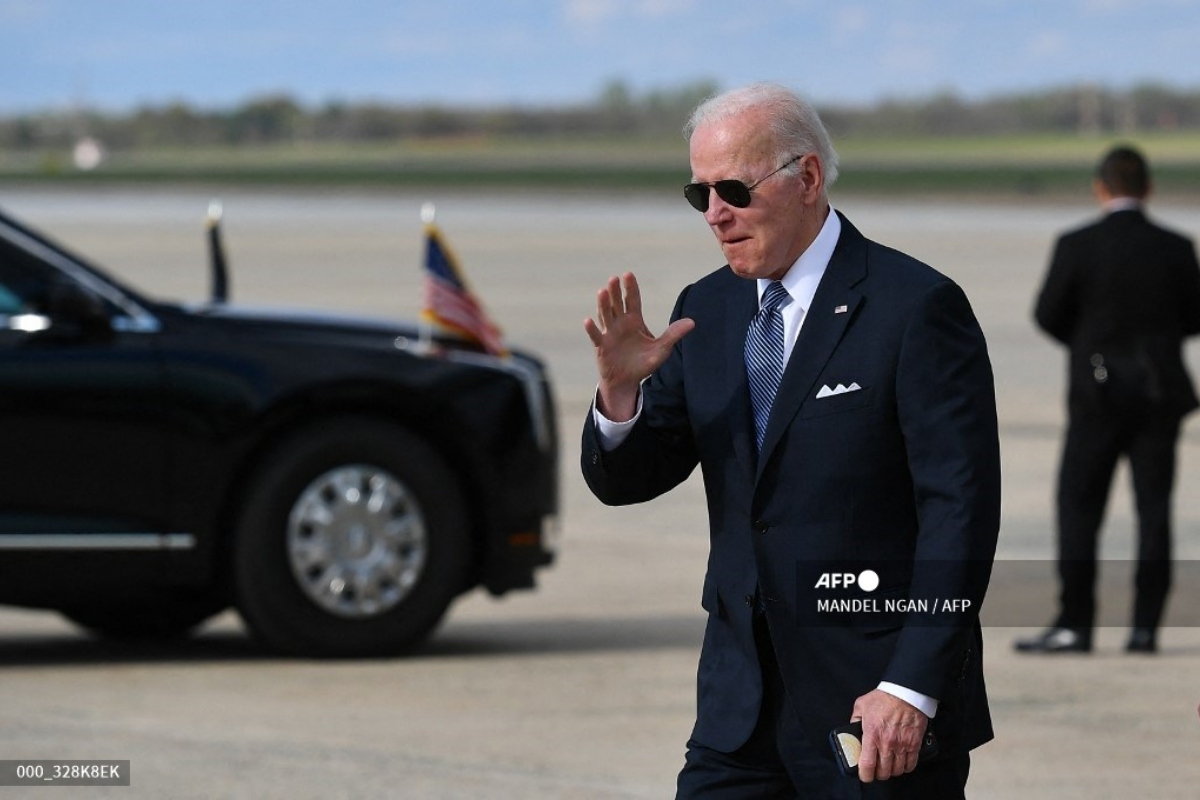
(337, 480)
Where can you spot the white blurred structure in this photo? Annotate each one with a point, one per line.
(88, 154)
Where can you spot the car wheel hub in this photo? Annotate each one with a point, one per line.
(356, 541)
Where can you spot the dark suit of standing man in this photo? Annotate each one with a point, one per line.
(1121, 294)
(880, 449)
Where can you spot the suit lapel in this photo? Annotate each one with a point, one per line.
(834, 306)
(740, 307)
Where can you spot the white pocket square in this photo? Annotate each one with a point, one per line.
(839, 389)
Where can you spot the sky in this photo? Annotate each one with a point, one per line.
(118, 55)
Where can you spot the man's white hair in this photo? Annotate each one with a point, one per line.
(795, 126)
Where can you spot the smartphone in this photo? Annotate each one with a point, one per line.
(847, 746)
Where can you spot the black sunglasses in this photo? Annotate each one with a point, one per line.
(736, 193)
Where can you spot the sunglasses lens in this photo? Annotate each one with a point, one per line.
(735, 193)
(697, 196)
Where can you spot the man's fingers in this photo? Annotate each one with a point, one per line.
(908, 763)
(877, 764)
(608, 303)
(625, 348)
(633, 295)
(619, 296)
(892, 733)
(868, 761)
(674, 332)
(593, 332)
(883, 769)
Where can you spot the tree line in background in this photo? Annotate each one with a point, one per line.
(615, 112)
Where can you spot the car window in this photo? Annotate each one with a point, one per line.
(23, 281)
(9, 302)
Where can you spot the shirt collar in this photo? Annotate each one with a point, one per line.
(1123, 204)
(804, 275)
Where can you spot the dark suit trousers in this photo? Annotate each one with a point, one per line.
(1096, 440)
(779, 762)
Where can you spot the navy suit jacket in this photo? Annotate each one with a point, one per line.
(1126, 291)
(901, 475)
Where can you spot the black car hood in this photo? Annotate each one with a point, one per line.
(329, 328)
(303, 319)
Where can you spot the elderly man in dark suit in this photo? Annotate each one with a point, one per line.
(1122, 294)
(839, 400)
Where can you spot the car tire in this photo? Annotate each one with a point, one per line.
(145, 619)
(353, 542)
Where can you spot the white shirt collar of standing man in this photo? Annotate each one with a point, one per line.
(1122, 204)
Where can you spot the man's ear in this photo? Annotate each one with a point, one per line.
(812, 176)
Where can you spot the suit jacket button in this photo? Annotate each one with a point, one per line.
(761, 526)
(749, 600)
(595, 458)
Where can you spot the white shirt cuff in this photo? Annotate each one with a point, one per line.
(610, 433)
(923, 703)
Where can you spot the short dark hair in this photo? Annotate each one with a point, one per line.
(1124, 172)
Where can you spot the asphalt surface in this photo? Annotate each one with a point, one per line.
(585, 687)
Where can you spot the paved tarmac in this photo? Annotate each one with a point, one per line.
(584, 688)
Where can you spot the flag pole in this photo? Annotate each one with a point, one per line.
(216, 253)
(425, 324)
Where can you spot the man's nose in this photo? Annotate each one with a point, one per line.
(718, 209)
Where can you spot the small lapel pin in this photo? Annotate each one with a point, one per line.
(841, 309)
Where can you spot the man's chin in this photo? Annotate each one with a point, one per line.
(748, 271)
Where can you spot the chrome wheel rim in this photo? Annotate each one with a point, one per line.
(356, 541)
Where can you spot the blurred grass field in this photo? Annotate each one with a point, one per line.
(1002, 165)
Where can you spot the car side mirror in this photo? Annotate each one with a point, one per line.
(73, 308)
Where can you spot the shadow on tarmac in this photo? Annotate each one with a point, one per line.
(468, 639)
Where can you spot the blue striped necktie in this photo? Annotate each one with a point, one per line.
(764, 356)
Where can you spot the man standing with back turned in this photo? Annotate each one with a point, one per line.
(1121, 294)
(838, 398)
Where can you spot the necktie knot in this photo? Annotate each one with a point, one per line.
(775, 297)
